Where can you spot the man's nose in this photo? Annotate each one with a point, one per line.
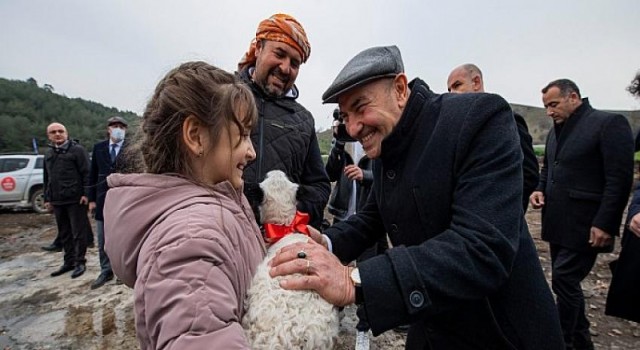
(285, 66)
(353, 128)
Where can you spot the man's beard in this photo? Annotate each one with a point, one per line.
(271, 90)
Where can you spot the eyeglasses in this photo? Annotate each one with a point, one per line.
(56, 132)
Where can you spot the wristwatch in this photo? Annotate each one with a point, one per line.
(355, 279)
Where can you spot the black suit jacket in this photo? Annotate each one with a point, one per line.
(586, 177)
(101, 167)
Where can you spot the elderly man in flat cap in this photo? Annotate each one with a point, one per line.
(106, 154)
(463, 270)
(285, 137)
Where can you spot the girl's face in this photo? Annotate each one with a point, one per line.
(227, 159)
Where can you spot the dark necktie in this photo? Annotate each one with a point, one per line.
(113, 153)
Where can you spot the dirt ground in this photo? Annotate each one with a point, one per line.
(41, 312)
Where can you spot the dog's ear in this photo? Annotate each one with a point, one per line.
(294, 192)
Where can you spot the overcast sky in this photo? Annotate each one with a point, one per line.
(114, 52)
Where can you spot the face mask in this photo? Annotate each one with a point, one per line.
(117, 134)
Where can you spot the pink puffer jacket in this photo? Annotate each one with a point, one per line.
(189, 252)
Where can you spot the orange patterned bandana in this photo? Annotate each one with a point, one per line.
(279, 27)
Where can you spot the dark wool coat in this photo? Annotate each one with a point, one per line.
(338, 159)
(285, 139)
(530, 169)
(586, 177)
(464, 270)
(66, 174)
(622, 300)
(341, 194)
(101, 167)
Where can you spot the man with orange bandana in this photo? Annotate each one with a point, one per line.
(284, 138)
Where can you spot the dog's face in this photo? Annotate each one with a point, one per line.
(279, 202)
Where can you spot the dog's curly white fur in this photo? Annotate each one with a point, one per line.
(281, 319)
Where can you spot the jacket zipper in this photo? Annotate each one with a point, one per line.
(260, 140)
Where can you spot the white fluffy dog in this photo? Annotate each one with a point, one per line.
(281, 319)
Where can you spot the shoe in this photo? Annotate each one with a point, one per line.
(79, 270)
(63, 269)
(52, 248)
(101, 280)
(362, 340)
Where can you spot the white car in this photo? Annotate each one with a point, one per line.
(21, 182)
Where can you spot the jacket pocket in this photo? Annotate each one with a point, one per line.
(577, 194)
(69, 190)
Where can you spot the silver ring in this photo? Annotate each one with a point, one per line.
(302, 254)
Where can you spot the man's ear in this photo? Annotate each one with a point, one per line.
(477, 83)
(401, 89)
(259, 46)
(193, 136)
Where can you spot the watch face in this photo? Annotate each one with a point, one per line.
(355, 276)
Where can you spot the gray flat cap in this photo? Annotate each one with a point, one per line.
(370, 64)
(117, 119)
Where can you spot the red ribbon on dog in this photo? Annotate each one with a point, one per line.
(299, 224)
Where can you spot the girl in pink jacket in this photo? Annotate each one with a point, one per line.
(179, 230)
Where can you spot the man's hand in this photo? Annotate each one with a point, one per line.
(48, 206)
(353, 172)
(92, 207)
(317, 236)
(84, 200)
(634, 224)
(599, 238)
(320, 271)
(537, 199)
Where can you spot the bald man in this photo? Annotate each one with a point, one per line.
(66, 175)
(468, 78)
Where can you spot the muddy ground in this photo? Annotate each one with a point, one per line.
(41, 312)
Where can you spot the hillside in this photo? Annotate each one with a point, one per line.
(26, 109)
(539, 123)
(537, 120)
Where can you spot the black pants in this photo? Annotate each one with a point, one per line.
(568, 269)
(73, 229)
(58, 240)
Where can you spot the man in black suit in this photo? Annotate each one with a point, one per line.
(468, 78)
(584, 186)
(103, 162)
(66, 170)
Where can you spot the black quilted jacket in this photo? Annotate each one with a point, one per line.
(285, 139)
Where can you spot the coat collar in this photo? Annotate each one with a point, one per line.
(403, 134)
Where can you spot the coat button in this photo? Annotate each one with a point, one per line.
(394, 228)
(556, 162)
(391, 174)
(416, 299)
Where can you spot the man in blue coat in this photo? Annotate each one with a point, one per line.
(463, 270)
(106, 154)
(584, 186)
